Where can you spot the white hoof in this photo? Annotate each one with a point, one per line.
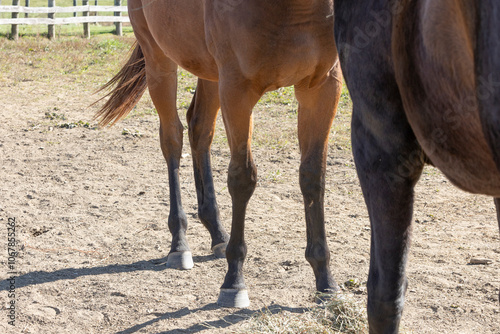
(180, 260)
(233, 298)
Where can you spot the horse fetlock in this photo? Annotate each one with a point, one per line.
(177, 224)
(236, 254)
(218, 234)
(325, 282)
(384, 309)
(384, 324)
(219, 237)
(318, 255)
(319, 259)
(209, 215)
(384, 316)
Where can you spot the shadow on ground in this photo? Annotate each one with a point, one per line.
(229, 320)
(41, 277)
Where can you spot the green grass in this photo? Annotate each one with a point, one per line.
(38, 59)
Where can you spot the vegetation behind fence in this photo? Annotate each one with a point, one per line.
(61, 12)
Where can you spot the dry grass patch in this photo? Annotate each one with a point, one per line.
(340, 314)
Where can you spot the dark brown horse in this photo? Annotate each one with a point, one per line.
(424, 76)
(239, 50)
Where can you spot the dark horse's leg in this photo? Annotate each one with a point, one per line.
(317, 107)
(389, 162)
(201, 119)
(237, 101)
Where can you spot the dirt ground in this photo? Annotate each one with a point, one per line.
(91, 210)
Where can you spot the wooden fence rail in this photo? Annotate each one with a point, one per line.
(52, 10)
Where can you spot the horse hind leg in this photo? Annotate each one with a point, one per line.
(389, 162)
(161, 73)
(161, 77)
(317, 108)
(201, 118)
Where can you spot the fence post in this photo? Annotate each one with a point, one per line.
(86, 31)
(27, 4)
(74, 5)
(14, 34)
(118, 25)
(51, 33)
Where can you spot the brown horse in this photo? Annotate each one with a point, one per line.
(239, 50)
(424, 76)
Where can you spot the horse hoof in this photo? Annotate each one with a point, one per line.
(325, 297)
(233, 298)
(220, 250)
(180, 260)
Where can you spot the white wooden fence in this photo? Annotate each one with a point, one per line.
(52, 20)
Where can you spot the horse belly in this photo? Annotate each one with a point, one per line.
(303, 57)
(272, 43)
(436, 77)
(455, 144)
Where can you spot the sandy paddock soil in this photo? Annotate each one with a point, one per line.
(91, 210)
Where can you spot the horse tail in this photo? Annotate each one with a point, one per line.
(129, 85)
